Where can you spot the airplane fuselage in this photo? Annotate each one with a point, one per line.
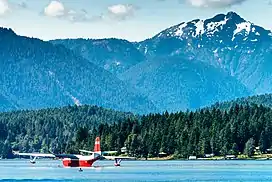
(67, 162)
(78, 160)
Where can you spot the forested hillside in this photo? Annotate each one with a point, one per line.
(197, 133)
(175, 83)
(113, 55)
(265, 100)
(35, 74)
(191, 64)
(186, 66)
(205, 131)
(52, 130)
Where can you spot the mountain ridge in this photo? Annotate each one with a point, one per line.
(264, 100)
(113, 55)
(38, 74)
(226, 45)
(232, 46)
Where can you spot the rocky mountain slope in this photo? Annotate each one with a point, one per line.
(227, 41)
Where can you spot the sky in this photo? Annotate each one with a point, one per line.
(134, 20)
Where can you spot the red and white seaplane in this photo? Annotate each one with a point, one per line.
(78, 160)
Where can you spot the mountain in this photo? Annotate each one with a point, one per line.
(186, 66)
(36, 74)
(227, 42)
(5, 103)
(113, 55)
(175, 83)
(225, 56)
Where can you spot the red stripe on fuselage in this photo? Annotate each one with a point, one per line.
(78, 162)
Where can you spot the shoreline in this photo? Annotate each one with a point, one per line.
(172, 157)
(176, 159)
(215, 158)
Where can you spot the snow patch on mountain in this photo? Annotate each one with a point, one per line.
(75, 100)
(50, 73)
(242, 26)
(145, 49)
(179, 32)
(212, 27)
(199, 28)
(117, 63)
(230, 24)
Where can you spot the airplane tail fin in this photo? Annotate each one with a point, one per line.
(97, 145)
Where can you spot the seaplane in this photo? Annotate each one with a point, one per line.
(78, 160)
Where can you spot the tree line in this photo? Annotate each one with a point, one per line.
(51, 130)
(205, 131)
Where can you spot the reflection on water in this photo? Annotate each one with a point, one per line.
(138, 171)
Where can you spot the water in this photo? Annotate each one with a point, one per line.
(138, 171)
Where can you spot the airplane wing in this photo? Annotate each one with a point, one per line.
(70, 156)
(35, 155)
(119, 157)
(104, 152)
(109, 152)
(87, 151)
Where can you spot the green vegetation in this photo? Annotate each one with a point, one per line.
(54, 130)
(36, 74)
(181, 134)
(265, 100)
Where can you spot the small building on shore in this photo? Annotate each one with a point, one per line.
(192, 158)
(162, 154)
(257, 150)
(230, 157)
(124, 150)
(269, 151)
(209, 155)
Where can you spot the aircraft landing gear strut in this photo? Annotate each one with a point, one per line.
(117, 162)
(33, 160)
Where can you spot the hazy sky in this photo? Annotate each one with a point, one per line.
(128, 19)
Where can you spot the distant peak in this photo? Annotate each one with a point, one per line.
(231, 13)
(229, 24)
(7, 31)
(234, 16)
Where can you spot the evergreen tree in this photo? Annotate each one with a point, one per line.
(249, 148)
(263, 142)
(234, 149)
